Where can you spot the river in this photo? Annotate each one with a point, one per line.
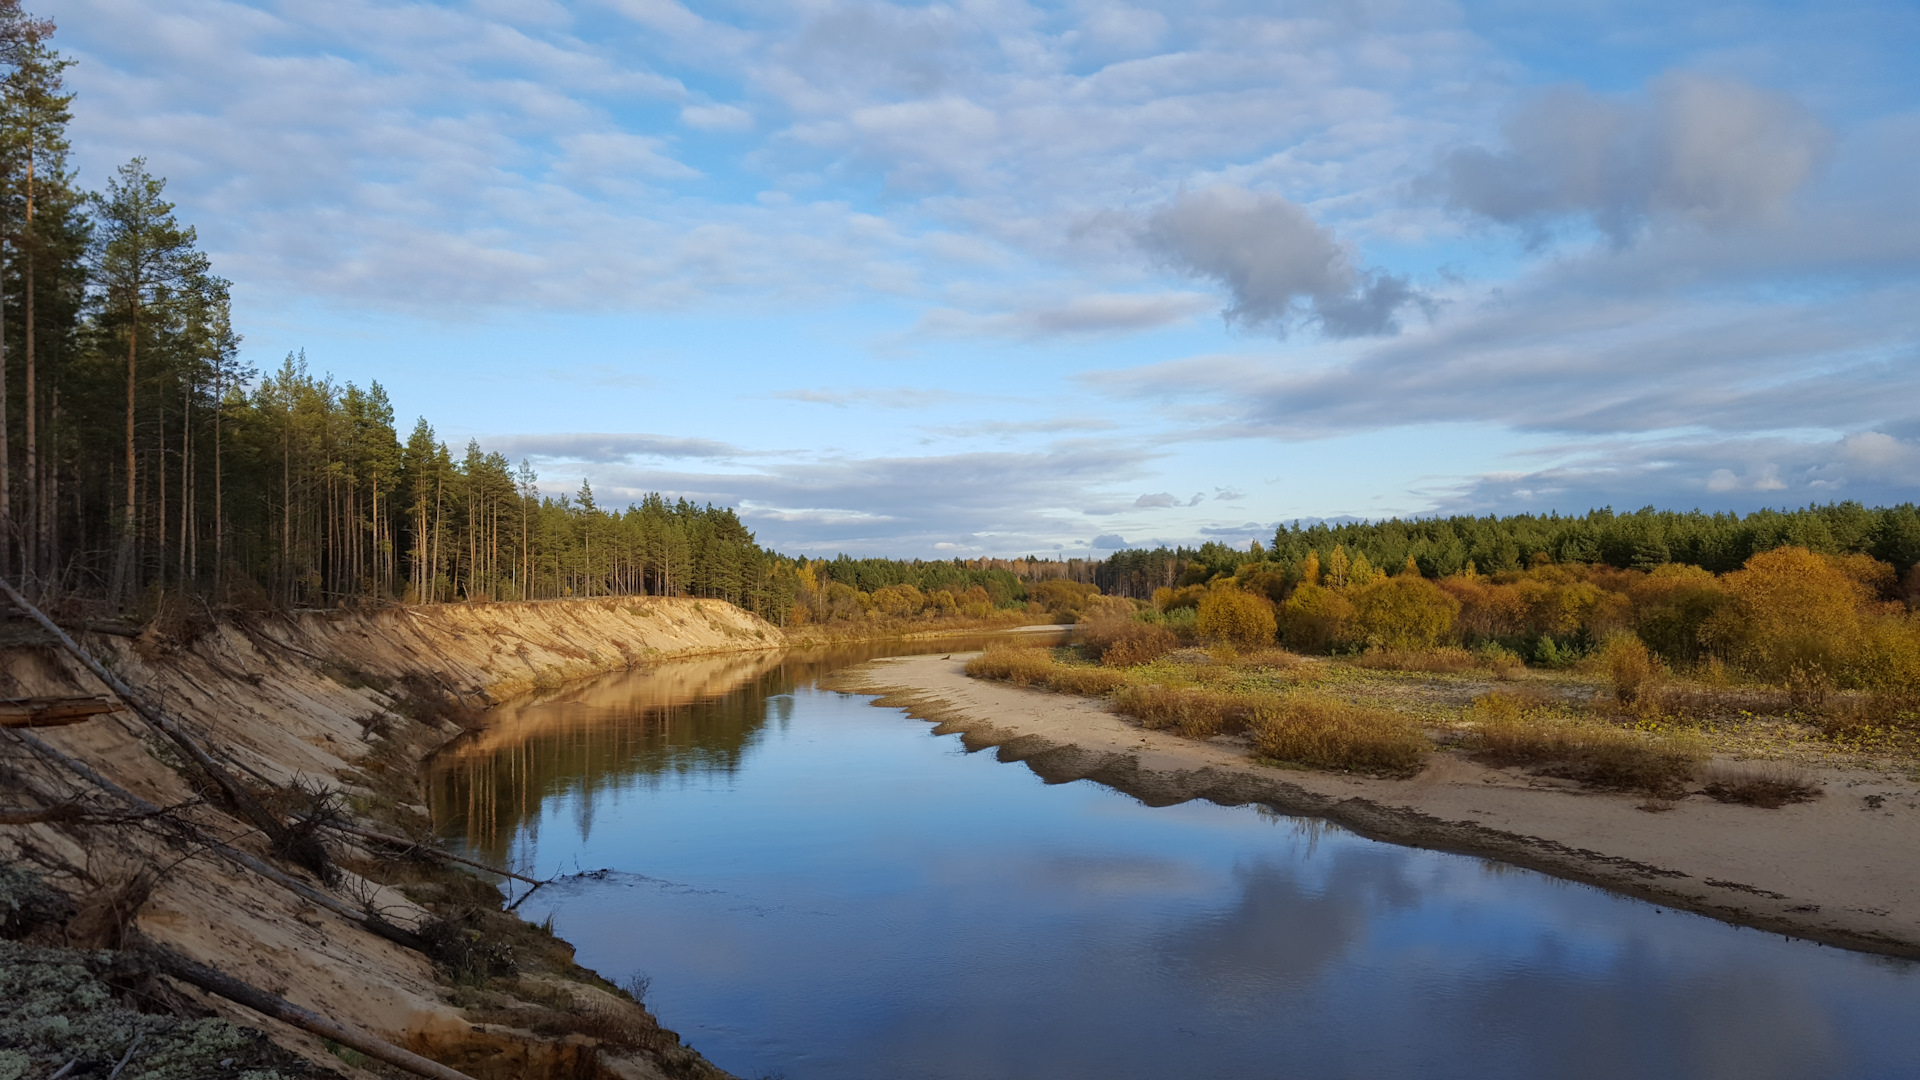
(818, 889)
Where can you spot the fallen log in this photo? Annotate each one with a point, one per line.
(214, 981)
(51, 711)
(34, 815)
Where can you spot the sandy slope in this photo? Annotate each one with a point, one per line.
(285, 697)
(1844, 869)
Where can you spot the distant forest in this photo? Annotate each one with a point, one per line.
(1446, 546)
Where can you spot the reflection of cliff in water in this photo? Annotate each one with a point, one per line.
(678, 719)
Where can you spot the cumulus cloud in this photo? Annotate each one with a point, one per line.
(1711, 151)
(1157, 501)
(1277, 263)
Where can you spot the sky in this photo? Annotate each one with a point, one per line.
(1008, 278)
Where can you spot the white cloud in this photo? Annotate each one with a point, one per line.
(717, 117)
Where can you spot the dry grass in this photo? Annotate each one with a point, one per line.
(1767, 784)
(1450, 661)
(1329, 734)
(1509, 732)
(1196, 712)
(1031, 666)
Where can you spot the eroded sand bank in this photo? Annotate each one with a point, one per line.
(1843, 869)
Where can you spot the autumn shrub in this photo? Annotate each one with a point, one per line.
(898, 600)
(1064, 600)
(1315, 617)
(1193, 711)
(1125, 642)
(1233, 616)
(1508, 730)
(1672, 606)
(1169, 600)
(1790, 616)
(1326, 733)
(1767, 784)
(1630, 667)
(1406, 613)
(1106, 608)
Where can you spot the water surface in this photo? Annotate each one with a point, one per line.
(822, 889)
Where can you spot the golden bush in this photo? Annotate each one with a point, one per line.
(1404, 613)
(1233, 616)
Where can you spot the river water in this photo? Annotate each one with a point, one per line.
(818, 888)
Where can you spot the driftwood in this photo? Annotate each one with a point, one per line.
(213, 981)
(242, 799)
(431, 852)
(51, 711)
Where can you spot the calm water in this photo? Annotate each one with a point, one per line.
(819, 888)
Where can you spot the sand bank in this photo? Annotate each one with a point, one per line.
(1843, 869)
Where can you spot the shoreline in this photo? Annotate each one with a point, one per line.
(1839, 871)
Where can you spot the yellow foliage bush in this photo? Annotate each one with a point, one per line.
(1406, 613)
(1315, 617)
(1630, 667)
(1233, 616)
(898, 600)
(1787, 610)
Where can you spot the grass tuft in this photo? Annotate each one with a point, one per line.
(1768, 784)
(1509, 731)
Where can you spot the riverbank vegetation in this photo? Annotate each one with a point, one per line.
(1614, 677)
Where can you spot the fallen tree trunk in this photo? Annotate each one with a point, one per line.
(51, 712)
(214, 981)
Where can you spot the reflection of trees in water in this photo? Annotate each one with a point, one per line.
(640, 727)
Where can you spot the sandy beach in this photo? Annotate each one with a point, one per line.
(1843, 869)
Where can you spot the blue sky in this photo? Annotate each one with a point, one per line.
(1008, 278)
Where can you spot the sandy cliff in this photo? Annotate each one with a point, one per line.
(351, 700)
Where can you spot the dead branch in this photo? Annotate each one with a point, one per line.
(371, 921)
(213, 981)
(431, 852)
(241, 798)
